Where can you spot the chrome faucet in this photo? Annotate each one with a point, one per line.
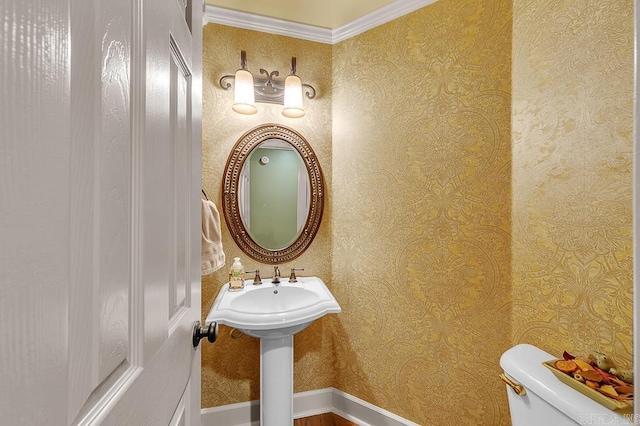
(276, 275)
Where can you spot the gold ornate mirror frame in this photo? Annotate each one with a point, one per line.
(231, 180)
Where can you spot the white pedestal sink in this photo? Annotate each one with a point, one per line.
(274, 313)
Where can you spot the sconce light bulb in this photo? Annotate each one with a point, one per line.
(293, 107)
(244, 98)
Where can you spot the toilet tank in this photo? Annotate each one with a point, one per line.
(548, 401)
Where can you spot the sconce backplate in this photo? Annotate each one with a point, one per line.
(267, 89)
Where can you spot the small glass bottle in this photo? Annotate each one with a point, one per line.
(236, 275)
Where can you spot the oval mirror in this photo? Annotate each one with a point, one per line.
(273, 194)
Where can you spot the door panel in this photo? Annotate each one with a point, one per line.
(180, 84)
(100, 204)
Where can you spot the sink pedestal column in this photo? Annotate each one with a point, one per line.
(276, 381)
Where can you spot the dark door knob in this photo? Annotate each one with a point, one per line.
(211, 333)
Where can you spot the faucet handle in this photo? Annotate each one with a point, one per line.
(292, 277)
(256, 279)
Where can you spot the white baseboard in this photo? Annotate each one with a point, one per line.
(305, 404)
(364, 413)
(312, 403)
(241, 414)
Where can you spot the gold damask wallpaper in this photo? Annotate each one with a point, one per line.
(421, 212)
(572, 175)
(477, 155)
(231, 367)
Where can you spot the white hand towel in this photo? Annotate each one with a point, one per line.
(212, 255)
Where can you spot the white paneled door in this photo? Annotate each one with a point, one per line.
(100, 159)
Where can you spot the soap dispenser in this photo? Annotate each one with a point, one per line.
(236, 275)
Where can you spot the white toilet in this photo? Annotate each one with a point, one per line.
(548, 401)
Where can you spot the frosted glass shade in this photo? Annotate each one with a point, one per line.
(293, 107)
(243, 97)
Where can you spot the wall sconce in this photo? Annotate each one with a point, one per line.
(243, 97)
(249, 90)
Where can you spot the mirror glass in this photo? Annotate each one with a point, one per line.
(273, 194)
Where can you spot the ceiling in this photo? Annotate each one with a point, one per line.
(329, 14)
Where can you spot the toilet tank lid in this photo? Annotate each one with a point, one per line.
(523, 363)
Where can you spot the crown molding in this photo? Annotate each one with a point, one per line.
(248, 21)
(378, 17)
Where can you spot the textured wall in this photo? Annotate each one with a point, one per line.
(230, 368)
(572, 175)
(421, 212)
(418, 162)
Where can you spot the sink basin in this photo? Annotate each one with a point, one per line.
(274, 299)
(268, 310)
